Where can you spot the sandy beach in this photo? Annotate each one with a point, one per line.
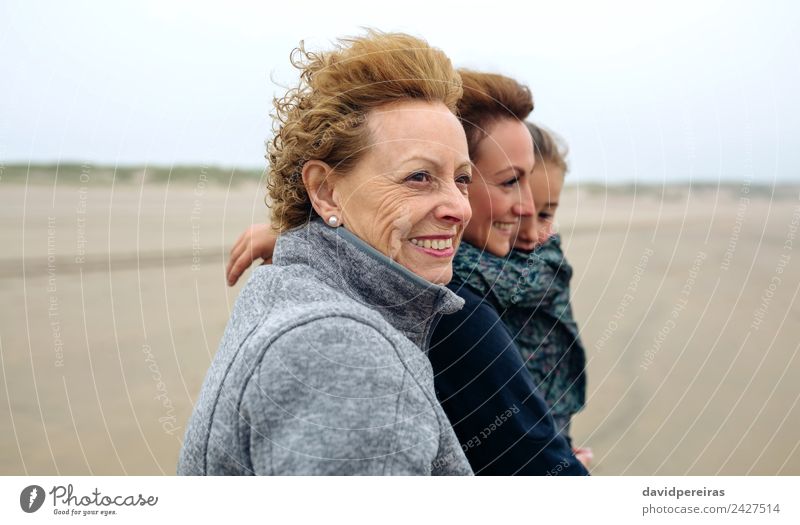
(114, 300)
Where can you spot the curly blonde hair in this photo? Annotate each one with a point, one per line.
(324, 117)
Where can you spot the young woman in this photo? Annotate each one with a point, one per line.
(530, 290)
(501, 420)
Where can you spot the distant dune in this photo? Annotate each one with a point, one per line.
(74, 173)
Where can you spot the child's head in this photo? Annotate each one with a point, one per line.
(546, 182)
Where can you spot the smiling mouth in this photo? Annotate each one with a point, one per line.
(433, 244)
(436, 246)
(505, 227)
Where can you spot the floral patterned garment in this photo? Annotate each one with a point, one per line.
(531, 293)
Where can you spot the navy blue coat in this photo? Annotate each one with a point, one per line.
(499, 417)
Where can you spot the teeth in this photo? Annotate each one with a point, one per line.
(433, 244)
(505, 226)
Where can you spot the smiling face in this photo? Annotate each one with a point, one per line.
(500, 194)
(407, 196)
(546, 183)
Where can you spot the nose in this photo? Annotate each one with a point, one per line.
(529, 229)
(454, 206)
(524, 207)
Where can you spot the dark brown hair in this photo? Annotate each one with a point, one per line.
(489, 97)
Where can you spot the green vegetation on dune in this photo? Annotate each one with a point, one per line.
(73, 173)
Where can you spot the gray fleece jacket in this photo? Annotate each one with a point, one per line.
(322, 369)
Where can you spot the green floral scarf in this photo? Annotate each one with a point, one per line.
(531, 293)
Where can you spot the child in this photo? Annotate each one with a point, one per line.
(540, 314)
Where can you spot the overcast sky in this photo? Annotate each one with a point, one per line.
(684, 90)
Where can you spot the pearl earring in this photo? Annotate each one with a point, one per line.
(333, 220)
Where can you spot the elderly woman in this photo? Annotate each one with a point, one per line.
(322, 367)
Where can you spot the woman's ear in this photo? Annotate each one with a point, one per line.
(318, 178)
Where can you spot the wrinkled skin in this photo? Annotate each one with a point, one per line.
(411, 183)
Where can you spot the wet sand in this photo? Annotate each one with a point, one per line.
(114, 300)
